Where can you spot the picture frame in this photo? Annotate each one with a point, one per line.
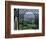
(23, 6)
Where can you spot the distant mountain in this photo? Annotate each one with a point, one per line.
(28, 16)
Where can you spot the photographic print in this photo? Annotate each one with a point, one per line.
(24, 19)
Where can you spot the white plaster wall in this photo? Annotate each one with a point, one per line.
(2, 19)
